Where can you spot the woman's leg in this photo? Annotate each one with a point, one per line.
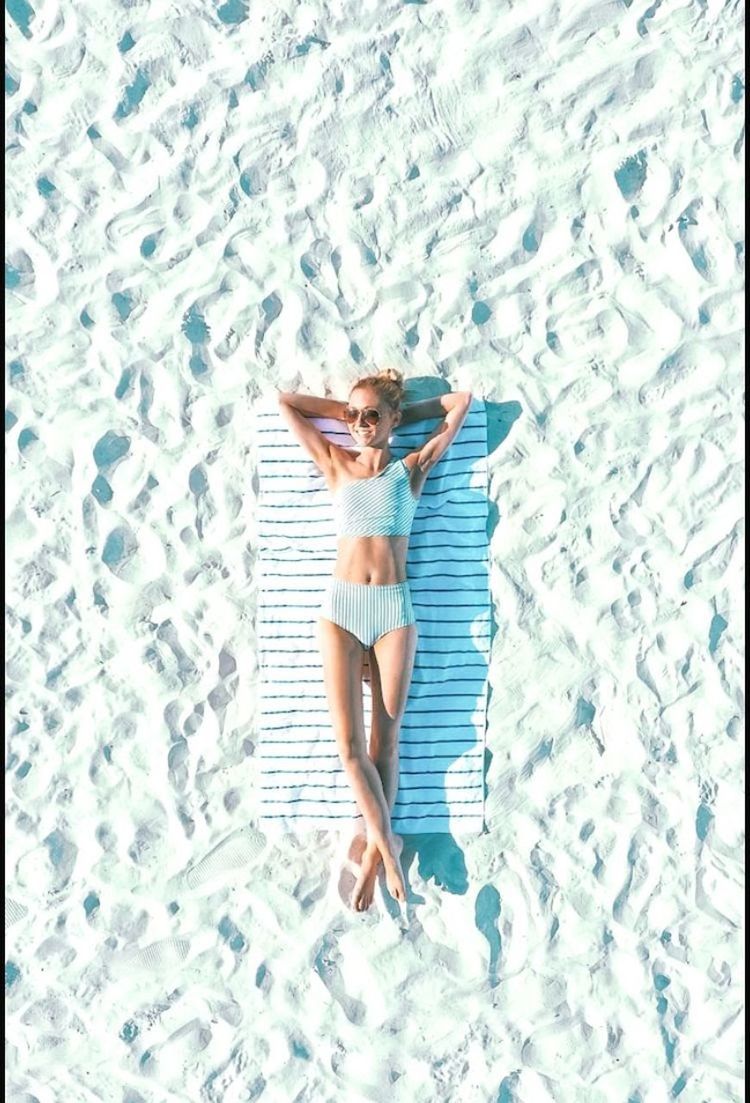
(353, 613)
(391, 661)
(341, 652)
(391, 668)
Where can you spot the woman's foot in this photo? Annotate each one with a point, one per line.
(394, 875)
(364, 888)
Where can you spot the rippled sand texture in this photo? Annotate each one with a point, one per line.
(541, 203)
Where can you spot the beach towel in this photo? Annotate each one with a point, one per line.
(442, 736)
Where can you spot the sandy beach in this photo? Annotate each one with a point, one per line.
(542, 204)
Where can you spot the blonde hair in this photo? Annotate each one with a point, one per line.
(389, 383)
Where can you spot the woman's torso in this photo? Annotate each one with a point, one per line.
(378, 560)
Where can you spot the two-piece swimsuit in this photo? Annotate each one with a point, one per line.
(378, 505)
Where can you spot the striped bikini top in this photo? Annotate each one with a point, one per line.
(378, 505)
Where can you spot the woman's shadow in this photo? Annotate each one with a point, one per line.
(438, 854)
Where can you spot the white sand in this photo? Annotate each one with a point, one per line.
(580, 175)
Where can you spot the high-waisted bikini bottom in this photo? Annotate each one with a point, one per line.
(367, 610)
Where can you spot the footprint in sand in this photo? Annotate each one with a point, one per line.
(236, 852)
(351, 867)
(14, 911)
(164, 956)
(317, 267)
(343, 275)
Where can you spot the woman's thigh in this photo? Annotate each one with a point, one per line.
(391, 668)
(343, 656)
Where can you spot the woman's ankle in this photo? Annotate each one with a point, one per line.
(383, 844)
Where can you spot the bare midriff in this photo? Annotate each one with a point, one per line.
(379, 560)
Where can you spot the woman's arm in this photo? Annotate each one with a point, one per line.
(311, 406)
(433, 407)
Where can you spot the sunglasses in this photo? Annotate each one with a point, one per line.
(370, 415)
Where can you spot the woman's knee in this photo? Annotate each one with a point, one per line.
(352, 751)
(384, 738)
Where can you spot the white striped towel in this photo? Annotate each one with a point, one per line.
(442, 740)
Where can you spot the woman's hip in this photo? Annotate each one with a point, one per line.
(370, 595)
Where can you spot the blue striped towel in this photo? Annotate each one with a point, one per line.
(442, 741)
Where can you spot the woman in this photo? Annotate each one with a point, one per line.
(367, 606)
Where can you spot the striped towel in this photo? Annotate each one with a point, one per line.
(442, 740)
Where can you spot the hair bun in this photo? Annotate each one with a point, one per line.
(389, 382)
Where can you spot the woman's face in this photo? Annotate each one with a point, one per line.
(367, 398)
